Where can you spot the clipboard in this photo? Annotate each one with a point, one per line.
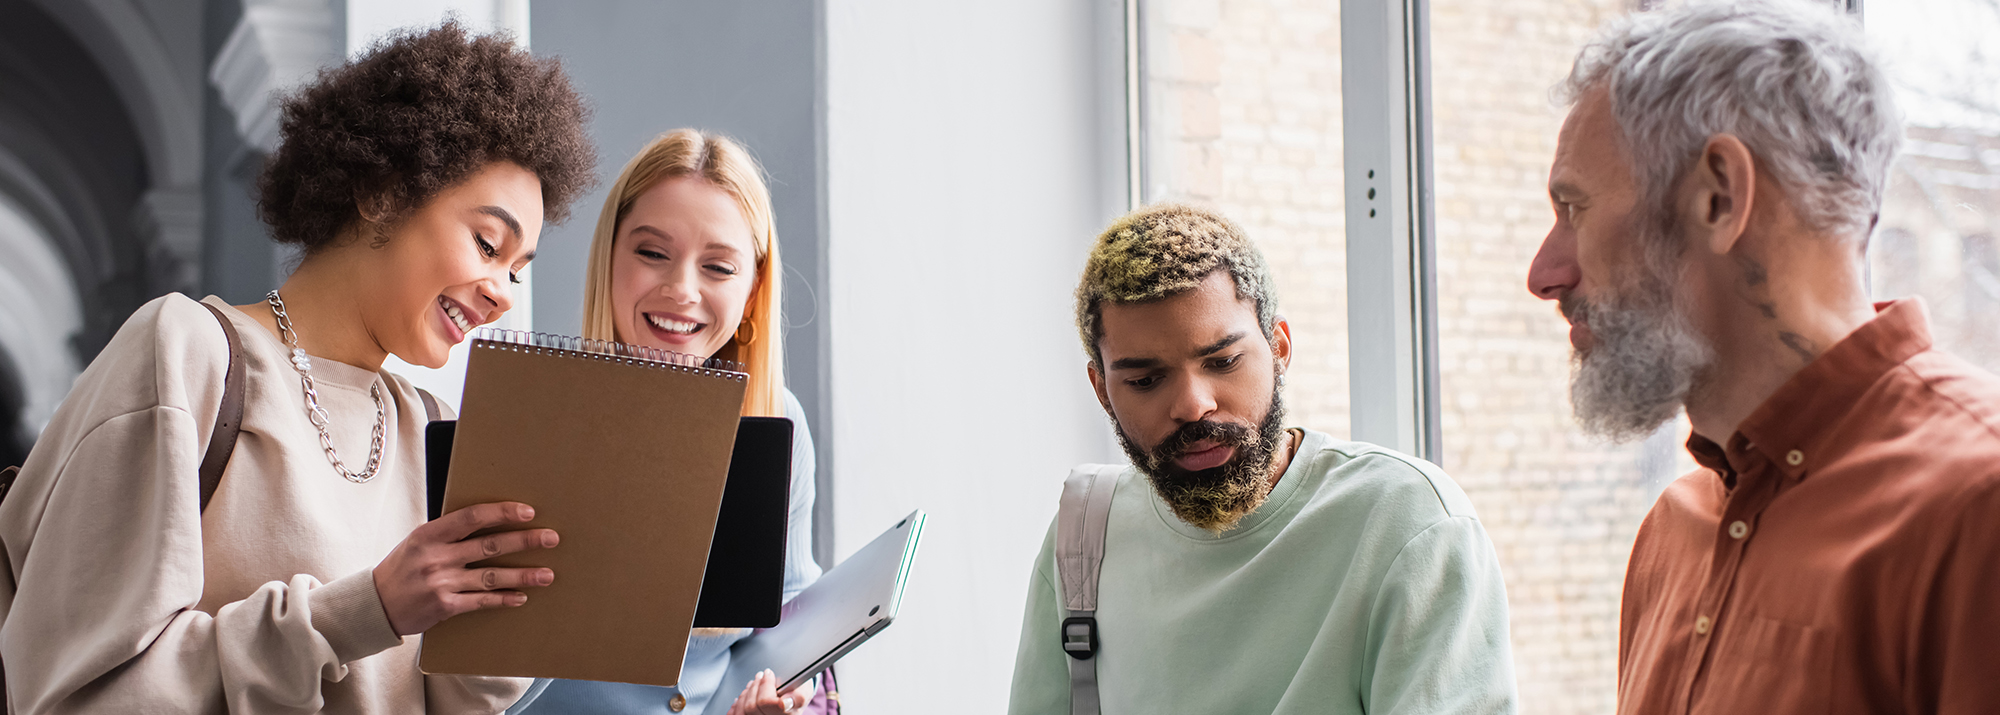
(743, 584)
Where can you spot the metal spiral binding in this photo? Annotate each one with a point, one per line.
(622, 353)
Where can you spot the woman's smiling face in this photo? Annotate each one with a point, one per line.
(450, 266)
(683, 266)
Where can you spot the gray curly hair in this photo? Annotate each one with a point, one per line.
(1164, 250)
(1795, 81)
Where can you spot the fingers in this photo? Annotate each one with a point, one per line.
(767, 695)
(457, 603)
(745, 699)
(481, 548)
(501, 579)
(796, 697)
(460, 524)
(480, 589)
(424, 580)
(761, 696)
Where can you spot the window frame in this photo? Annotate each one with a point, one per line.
(1392, 317)
(1392, 331)
(1391, 251)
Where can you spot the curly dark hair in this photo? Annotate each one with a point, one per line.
(421, 111)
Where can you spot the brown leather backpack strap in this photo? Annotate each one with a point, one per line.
(430, 403)
(229, 417)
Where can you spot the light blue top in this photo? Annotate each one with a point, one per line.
(707, 655)
(1364, 584)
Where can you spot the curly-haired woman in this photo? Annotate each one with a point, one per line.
(415, 179)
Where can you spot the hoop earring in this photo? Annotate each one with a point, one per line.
(741, 337)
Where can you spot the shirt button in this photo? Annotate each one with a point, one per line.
(1701, 625)
(1795, 457)
(678, 703)
(1738, 530)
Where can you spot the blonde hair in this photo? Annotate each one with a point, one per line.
(726, 164)
(1164, 250)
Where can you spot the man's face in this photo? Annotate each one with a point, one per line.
(1190, 383)
(1611, 264)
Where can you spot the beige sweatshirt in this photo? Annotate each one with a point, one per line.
(119, 595)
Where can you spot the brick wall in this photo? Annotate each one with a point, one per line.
(1244, 116)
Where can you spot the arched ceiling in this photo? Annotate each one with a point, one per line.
(76, 163)
(150, 55)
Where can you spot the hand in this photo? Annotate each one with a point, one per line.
(424, 580)
(761, 697)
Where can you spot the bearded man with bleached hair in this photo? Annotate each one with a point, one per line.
(1238, 566)
(1838, 551)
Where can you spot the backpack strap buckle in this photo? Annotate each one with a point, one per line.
(1079, 637)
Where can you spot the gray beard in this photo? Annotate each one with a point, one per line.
(1644, 363)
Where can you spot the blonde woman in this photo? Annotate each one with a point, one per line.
(685, 258)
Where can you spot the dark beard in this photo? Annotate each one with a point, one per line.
(1218, 497)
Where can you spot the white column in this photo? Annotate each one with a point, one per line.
(967, 173)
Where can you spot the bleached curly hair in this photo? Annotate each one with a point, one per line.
(1164, 250)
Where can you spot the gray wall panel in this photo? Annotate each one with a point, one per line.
(746, 69)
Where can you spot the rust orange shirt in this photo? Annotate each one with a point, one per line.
(1840, 555)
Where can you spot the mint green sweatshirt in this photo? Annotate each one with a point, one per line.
(1364, 584)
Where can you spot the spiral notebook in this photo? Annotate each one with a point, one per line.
(744, 583)
(624, 451)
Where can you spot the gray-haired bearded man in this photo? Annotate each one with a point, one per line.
(1839, 549)
(1242, 567)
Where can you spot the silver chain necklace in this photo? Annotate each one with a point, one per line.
(317, 414)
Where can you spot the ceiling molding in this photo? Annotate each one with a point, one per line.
(276, 44)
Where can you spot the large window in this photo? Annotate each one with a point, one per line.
(1562, 507)
(1939, 235)
(1241, 112)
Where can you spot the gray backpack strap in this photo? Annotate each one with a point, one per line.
(1080, 525)
(430, 404)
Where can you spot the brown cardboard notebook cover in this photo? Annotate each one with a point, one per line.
(625, 459)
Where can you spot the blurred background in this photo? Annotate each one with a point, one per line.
(938, 170)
